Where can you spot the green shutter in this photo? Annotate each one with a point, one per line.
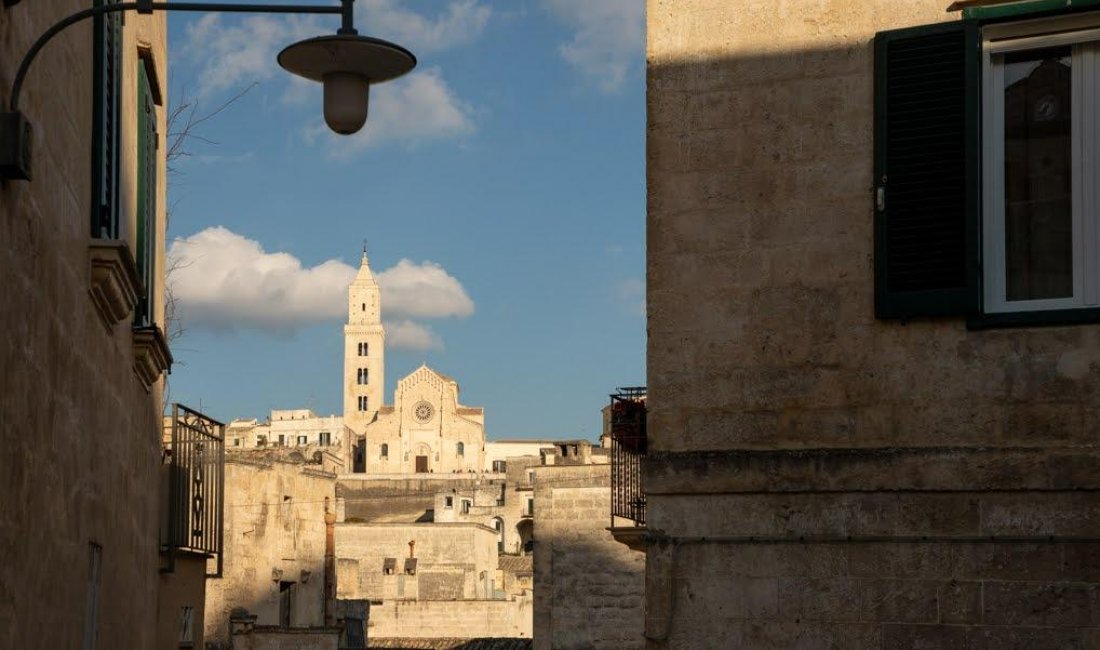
(146, 195)
(927, 171)
(106, 83)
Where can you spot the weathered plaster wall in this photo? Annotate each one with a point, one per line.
(454, 561)
(468, 619)
(274, 532)
(588, 587)
(777, 402)
(81, 436)
(185, 587)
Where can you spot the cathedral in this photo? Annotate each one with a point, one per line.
(403, 510)
(425, 429)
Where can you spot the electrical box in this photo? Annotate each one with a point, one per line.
(15, 146)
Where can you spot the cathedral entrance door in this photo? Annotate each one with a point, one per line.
(422, 464)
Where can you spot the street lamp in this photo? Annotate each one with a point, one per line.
(345, 63)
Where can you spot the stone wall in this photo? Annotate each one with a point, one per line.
(468, 619)
(274, 534)
(453, 561)
(402, 497)
(588, 587)
(80, 432)
(820, 478)
(288, 639)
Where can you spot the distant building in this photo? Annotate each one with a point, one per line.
(432, 526)
(277, 499)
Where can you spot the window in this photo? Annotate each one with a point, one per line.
(146, 237)
(1040, 212)
(531, 506)
(362, 377)
(987, 140)
(106, 55)
(389, 566)
(460, 449)
(91, 602)
(385, 450)
(303, 440)
(261, 441)
(362, 402)
(363, 349)
(448, 502)
(186, 636)
(499, 466)
(465, 506)
(324, 438)
(282, 440)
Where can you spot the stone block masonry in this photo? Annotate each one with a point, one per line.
(819, 478)
(468, 619)
(588, 587)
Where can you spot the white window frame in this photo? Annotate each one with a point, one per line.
(1083, 34)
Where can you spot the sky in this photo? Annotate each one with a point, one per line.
(500, 188)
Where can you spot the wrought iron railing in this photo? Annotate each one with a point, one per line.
(628, 450)
(196, 484)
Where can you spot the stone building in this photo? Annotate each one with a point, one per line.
(426, 429)
(275, 540)
(287, 428)
(83, 351)
(873, 375)
(588, 588)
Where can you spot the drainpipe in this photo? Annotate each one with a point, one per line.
(330, 566)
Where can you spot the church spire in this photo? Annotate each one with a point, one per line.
(364, 275)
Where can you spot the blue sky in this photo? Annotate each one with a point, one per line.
(500, 187)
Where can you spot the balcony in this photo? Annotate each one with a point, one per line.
(628, 451)
(194, 487)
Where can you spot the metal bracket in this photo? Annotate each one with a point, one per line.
(145, 6)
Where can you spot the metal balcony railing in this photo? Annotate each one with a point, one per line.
(195, 453)
(628, 450)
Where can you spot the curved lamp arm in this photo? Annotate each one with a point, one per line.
(345, 9)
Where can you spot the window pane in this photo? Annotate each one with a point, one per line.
(1038, 165)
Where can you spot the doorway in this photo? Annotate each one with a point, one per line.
(422, 464)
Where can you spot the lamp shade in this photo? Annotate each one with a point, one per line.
(347, 64)
(346, 95)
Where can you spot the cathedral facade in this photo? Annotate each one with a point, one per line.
(426, 429)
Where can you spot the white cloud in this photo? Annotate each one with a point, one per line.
(609, 37)
(244, 52)
(222, 280)
(415, 108)
(631, 296)
(423, 291)
(232, 53)
(411, 336)
(461, 23)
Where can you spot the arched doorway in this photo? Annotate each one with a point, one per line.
(525, 529)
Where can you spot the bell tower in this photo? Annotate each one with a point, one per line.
(364, 350)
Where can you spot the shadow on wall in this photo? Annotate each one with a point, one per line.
(294, 598)
(449, 644)
(588, 588)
